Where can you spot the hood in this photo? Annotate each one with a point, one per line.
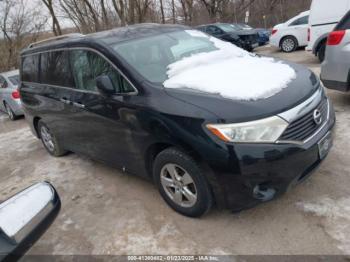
(231, 111)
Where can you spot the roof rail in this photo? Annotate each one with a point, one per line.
(52, 39)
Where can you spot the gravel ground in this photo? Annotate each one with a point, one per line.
(107, 212)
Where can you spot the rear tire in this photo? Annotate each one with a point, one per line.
(289, 44)
(321, 52)
(181, 183)
(50, 141)
(10, 113)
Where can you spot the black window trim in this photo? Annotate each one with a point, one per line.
(135, 92)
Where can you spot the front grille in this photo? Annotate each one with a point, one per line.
(305, 126)
(253, 38)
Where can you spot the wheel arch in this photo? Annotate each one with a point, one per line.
(284, 37)
(321, 39)
(156, 148)
(36, 125)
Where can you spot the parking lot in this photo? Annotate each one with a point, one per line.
(105, 211)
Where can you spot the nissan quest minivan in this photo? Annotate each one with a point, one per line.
(134, 98)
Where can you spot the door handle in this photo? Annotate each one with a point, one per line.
(77, 104)
(65, 100)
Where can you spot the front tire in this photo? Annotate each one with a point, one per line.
(181, 183)
(289, 44)
(49, 141)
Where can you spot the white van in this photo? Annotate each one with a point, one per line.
(324, 16)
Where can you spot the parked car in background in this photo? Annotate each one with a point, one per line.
(263, 34)
(9, 96)
(245, 39)
(324, 16)
(335, 70)
(291, 34)
(206, 121)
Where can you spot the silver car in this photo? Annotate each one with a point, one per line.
(335, 72)
(9, 96)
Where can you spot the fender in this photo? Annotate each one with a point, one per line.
(318, 41)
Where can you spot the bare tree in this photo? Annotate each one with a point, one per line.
(142, 6)
(131, 11)
(187, 10)
(56, 28)
(212, 7)
(120, 9)
(19, 29)
(86, 15)
(173, 11)
(162, 11)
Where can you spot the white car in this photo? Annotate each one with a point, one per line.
(291, 34)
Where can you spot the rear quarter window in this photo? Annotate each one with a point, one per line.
(301, 21)
(344, 24)
(30, 68)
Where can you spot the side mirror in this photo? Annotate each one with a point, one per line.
(105, 85)
(25, 217)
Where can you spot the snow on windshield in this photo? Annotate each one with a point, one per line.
(230, 72)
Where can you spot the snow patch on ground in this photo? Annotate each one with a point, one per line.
(231, 72)
(337, 218)
(17, 142)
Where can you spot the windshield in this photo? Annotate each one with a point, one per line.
(228, 28)
(151, 56)
(14, 80)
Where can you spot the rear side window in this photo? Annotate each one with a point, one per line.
(3, 83)
(301, 21)
(344, 24)
(30, 68)
(87, 66)
(55, 69)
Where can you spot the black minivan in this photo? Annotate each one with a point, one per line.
(102, 95)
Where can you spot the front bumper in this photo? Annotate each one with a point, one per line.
(258, 173)
(274, 41)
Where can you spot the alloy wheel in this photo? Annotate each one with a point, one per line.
(9, 112)
(178, 185)
(288, 45)
(47, 138)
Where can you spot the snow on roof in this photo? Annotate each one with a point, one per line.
(230, 72)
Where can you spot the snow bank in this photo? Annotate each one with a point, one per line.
(229, 71)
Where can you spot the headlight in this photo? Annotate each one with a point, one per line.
(266, 130)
